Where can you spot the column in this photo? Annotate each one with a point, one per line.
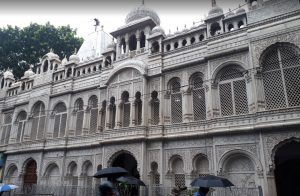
(118, 48)
(50, 131)
(119, 114)
(86, 121)
(138, 41)
(250, 92)
(213, 100)
(27, 129)
(187, 109)
(167, 108)
(127, 44)
(145, 104)
(132, 113)
(108, 117)
(259, 89)
(13, 132)
(72, 125)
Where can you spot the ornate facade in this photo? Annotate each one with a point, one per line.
(219, 98)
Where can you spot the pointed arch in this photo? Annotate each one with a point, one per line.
(93, 107)
(38, 120)
(60, 120)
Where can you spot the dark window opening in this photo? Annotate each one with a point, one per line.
(215, 29)
(184, 42)
(45, 66)
(142, 40)
(69, 72)
(192, 40)
(155, 47)
(168, 47)
(201, 37)
(123, 46)
(132, 42)
(176, 45)
(230, 27)
(241, 24)
(107, 61)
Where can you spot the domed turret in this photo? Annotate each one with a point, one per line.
(29, 72)
(142, 12)
(8, 74)
(52, 55)
(215, 11)
(74, 57)
(158, 30)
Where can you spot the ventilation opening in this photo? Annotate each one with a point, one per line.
(168, 48)
(184, 42)
(176, 45)
(192, 40)
(230, 27)
(241, 24)
(215, 29)
(69, 72)
(201, 37)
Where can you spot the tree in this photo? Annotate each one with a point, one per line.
(20, 47)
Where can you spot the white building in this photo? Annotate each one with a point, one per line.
(220, 98)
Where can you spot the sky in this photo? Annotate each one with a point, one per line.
(79, 14)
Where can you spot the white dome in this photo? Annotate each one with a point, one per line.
(142, 12)
(29, 72)
(215, 11)
(158, 29)
(240, 11)
(112, 45)
(52, 55)
(74, 58)
(8, 74)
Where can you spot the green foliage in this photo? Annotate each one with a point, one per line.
(32, 42)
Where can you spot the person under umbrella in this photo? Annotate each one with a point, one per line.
(106, 188)
(202, 191)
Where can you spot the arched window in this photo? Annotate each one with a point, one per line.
(60, 120)
(55, 67)
(154, 108)
(201, 165)
(6, 128)
(20, 122)
(168, 47)
(193, 40)
(215, 29)
(45, 67)
(184, 42)
(69, 72)
(79, 116)
(107, 61)
(138, 108)
(241, 24)
(176, 100)
(123, 46)
(103, 115)
(230, 27)
(154, 178)
(72, 173)
(201, 37)
(199, 106)
(132, 42)
(177, 168)
(38, 121)
(93, 106)
(125, 109)
(142, 39)
(232, 91)
(155, 47)
(281, 71)
(2, 83)
(112, 110)
(23, 86)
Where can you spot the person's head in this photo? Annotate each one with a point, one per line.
(203, 190)
(106, 189)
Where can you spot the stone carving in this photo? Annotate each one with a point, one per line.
(258, 46)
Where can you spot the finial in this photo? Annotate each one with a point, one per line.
(51, 50)
(31, 66)
(177, 28)
(75, 51)
(143, 2)
(102, 27)
(97, 23)
(185, 26)
(213, 3)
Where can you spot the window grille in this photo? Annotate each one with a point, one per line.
(6, 128)
(38, 121)
(199, 106)
(232, 92)
(79, 116)
(93, 104)
(21, 121)
(154, 108)
(281, 73)
(176, 102)
(126, 109)
(60, 120)
(179, 180)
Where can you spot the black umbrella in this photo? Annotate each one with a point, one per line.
(111, 172)
(211, 181)
(131, 180)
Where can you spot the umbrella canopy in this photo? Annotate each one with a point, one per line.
(111, 172)
(131, 180)
(7, 187)
(211, 181)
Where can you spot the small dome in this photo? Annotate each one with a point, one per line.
(240, 11)
(52, 55)
(74, 57)
(158, 29)
(215, 11)
(29, 72)
(8, 74)
(229, 14)
(142, 12)
(64, 61)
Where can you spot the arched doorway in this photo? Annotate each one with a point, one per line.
(128, 162)
(30, 176)
(287, 169)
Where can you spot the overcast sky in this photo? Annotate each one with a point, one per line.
(79, 14)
